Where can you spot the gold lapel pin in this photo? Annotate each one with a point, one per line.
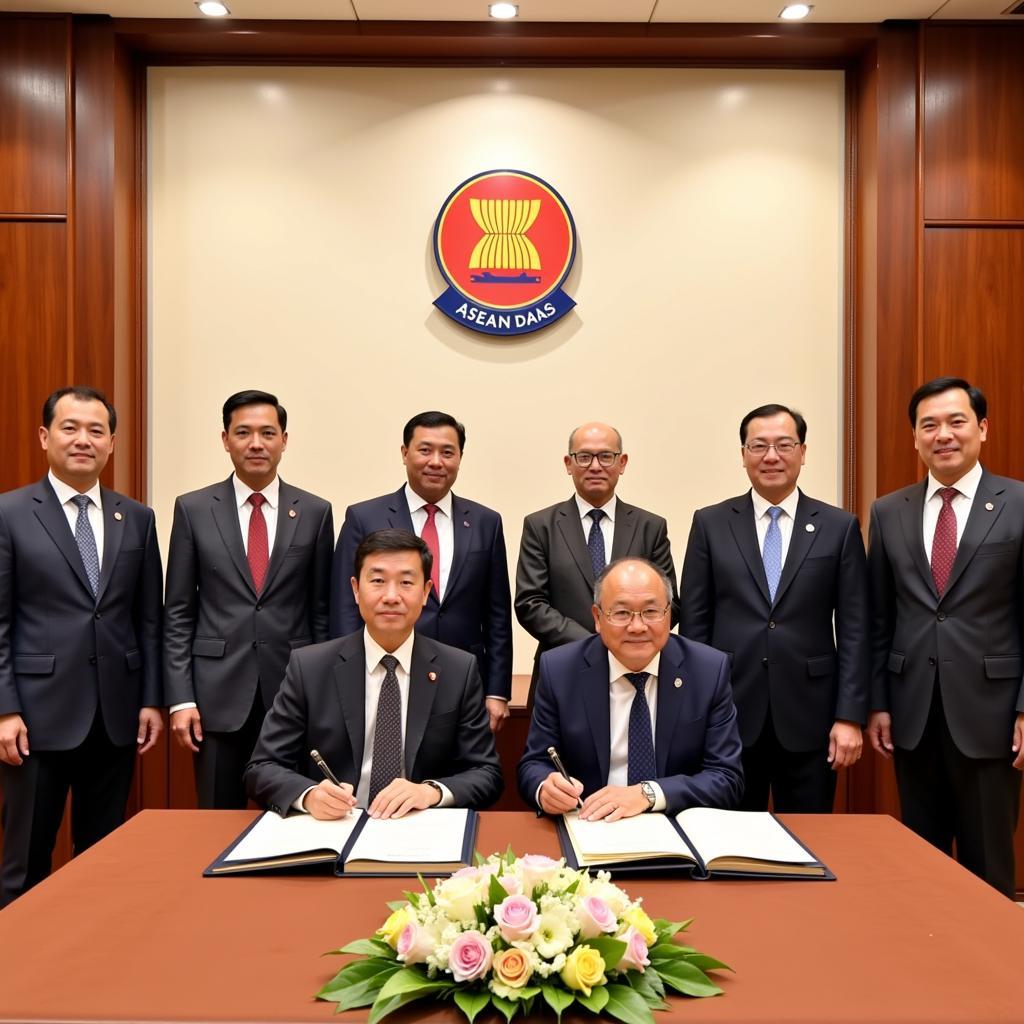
(292, 513)
(118, 516)
(432, 676)
(678, 683)
(809, 527)
(989, 506)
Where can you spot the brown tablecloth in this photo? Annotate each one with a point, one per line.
(130, 931)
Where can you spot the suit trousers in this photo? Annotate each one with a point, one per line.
(220, 763)
(99, 776)
(947, 796)
(800, 782)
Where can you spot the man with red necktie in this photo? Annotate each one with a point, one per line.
(248, 572)
(946, 562)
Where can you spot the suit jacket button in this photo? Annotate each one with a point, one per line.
(931, 661)
(92, 659)
(941, 616)
(764, 661)
(259, 607)
(98, 615)
(254, 644)
(771, 625)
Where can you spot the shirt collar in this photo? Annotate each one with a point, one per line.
(374, 652)
(616, 670)
(242, 491)
(65, 492)
(608, 508)
(788, 504)
(967, 485)
(416, 502)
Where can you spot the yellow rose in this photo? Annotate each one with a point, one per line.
(584, 970)
(393, 926)
(512, 967)
(642, 923)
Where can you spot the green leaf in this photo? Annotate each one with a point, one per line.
(666, 929)
(611, 950)
(409, 979)
(539, 890)
(471, 1003)
(496, 892)
(398, 904)
(557, 998)
(383, 1006)
(428, 892)
(368, 947)
(626, 1005)
(478, 858)
(573, 886)
(597, 999)
(482, 914)
(668, 951)
(643, 984)
(706, 963)
(358, 971)
(361, 994)
(505, 1006)
(687, 979)
(653, 979)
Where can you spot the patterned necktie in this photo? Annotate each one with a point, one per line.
(641, 765)
(944, 541)
(429, 537)
(772, 554)
(386, 765)
(595, 541)
(258, 548)
(86, 540)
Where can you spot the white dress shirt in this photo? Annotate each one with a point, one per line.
(621, 693)
(961, 504)
(762, 520)
(94, 511)
(445, 531)
(607, 523)
(272, 492)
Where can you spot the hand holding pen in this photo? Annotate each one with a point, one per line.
(331, 799)
(559, 792)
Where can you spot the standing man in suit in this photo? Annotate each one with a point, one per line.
(80, 595)
(779, 581)
(248, 573)
(469, 604)
(398, 717)
(946, 560)
(643, 720)
(567, 546)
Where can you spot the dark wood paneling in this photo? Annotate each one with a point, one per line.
(973, 118)
(33, 115)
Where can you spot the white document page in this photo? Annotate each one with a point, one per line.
(274, 836)
(646, 835)
(434, 834)
(750, 834)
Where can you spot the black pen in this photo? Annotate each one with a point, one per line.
(323, 766)
(557, 762)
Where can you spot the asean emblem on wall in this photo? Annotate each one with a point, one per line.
(504, 241)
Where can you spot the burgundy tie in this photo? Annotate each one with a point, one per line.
(429, 537)
(259, 549)
(944, 542)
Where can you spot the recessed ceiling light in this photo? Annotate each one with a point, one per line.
(795, 12)
(213, 8)
(504, 11)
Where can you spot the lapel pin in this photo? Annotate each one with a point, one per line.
(292, 513)
(809, 527)
(432, 676)
(989, 506)
(678, 683)
(118, 516)
(465, 523)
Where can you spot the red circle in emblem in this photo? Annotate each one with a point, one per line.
(520, 236)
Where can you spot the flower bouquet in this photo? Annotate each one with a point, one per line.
(516, 933)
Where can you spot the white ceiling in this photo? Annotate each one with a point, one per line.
(651, 11)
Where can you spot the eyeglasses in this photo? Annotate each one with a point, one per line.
(624, 617)
(604, 459)
(759, 449)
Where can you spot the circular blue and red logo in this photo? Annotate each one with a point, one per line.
(504, 241)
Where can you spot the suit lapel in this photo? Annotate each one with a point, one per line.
(800, 543)
(461, 536)
(593, 692)
(670, 700)
(625, 528)
(911, 522)
(398, 512)
(113, 537)
(567, 522)
(979, 522)
(421, 700)
(54, 520)
(350, 682)
(225, 516)
(745, 534)
(288, 512)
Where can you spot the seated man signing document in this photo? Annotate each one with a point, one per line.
(642, 720)
(398, 718)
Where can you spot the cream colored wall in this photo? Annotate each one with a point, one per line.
(290, 250)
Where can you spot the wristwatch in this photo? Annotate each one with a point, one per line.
(648, 791)
(434, 785)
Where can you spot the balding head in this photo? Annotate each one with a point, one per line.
(593, 442)
(635, 586)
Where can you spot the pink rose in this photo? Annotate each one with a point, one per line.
(516, 918)
(635, 957)
(511, 884)
(470, 957)
(537, 868)
(595, 917)
(415, 944)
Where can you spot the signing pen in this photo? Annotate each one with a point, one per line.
(323, 766)
(557, 762)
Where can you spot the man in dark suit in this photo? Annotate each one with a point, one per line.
(80, 593)
(778, 580)
(469, 606)
(643, 720)
(946, 561)
(567, 546)
(248, 573)
(397, 717)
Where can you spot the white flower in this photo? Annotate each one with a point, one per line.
(457, 897)
(600, 887)
(553, 935)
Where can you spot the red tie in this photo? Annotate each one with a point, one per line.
(944, 542)
(259, 550)
(429, 537)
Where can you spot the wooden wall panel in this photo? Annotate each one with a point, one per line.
(973, 145)
(33, 115)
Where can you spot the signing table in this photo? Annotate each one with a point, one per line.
(130, 931)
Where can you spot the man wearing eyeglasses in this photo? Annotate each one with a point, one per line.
(567, 546)
(642, 720)
(779, 581)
